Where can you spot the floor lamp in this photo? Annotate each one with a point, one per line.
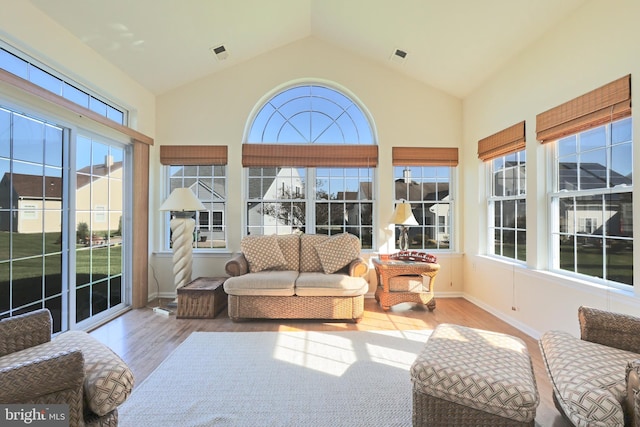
(182, 203)
(403, 216)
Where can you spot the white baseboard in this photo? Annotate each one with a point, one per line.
(510, 320)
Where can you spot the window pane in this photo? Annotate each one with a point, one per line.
(53, 275)
(620, 261)
(593, 139)
(5, 134)
(521, 245)
(28, 139)
(509, 214)
(76, 95)
(589, 215)
(589, 256)
(45, 80)
(13, 64)
(27, 281)
(621, 165)
(568, 173)
(567, 255)
(499, 184)
(509, 243)
(593, 170)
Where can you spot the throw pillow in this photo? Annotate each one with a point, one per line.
(262, 253)
(338, 251)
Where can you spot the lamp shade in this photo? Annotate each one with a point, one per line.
(182, 199)
(402, 215)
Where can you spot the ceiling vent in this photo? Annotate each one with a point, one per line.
(399, 56)
(220, 52)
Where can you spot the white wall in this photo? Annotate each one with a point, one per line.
(595, 46)
(26, 28)
(215, 110)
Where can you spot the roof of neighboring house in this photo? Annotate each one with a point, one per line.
(592, 175)
(33, 187)
(87, 175)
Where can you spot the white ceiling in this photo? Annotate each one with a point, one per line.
(453, 45)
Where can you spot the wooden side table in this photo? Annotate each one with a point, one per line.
(385, 270)
(202, 298)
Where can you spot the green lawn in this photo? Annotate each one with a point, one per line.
(29, 248)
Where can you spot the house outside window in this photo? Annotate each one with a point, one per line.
(591, 203)
(428, 190)
(310, 160)
(507, 206)
(209, 184)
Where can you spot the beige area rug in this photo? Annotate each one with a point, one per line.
(280, 379)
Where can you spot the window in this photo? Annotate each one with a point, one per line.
(592, 203)
(28, 69)
(508, 206)
(310, 160)
(209, 184)
(428, 190)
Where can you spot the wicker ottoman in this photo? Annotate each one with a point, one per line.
(471, 377)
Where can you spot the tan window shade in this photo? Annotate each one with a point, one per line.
(505, 142)
(424, 156)
(309, 155)
(193, 155)
(609, 102)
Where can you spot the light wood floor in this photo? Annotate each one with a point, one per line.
(144, 338)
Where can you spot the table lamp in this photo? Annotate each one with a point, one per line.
(182, 202)
(403, 216)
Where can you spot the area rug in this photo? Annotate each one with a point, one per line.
(358, 378)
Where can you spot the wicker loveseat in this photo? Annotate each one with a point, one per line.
(73, 368)
(595, 378)
(297, 276)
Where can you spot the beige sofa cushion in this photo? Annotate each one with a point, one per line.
(338, 251)
(309, 259)
(273, 283)
(262, 253)
(290, 247)
(321, 284)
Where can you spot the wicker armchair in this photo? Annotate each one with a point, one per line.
(73, 368)
(595, 379)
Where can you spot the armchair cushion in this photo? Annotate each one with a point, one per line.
(588, 379)
(108, 380)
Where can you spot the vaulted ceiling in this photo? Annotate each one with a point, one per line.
(453, 45)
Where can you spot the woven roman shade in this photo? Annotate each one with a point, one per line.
(309, 155)
(600, 106)
(505, 142)
(424, 156)
(191, 155)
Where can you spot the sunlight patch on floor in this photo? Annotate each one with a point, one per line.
(333, 355)
(314, 350)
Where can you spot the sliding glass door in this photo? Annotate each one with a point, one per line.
(62, 204)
